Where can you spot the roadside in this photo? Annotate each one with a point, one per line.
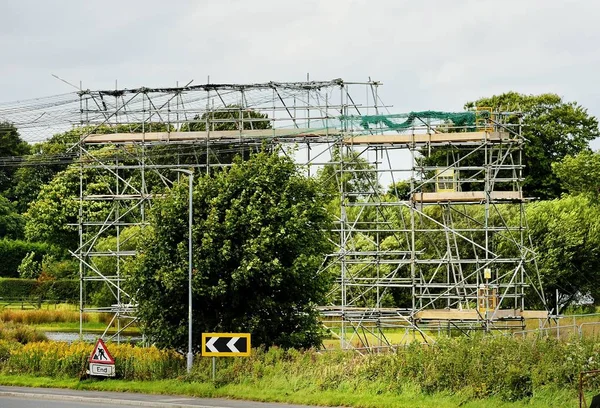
(211, 395)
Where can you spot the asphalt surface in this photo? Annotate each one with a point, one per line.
(24, 397)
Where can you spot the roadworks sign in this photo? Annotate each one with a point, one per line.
(102, 362)
(101, 355)
(103, 370)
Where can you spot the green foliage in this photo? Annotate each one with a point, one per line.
(102, 294)
(12, 253)
(470, 372)
(580, 174)
(11, 223)
(59, 359)
(232, 117)
(65, 290)
(356, 180)
(400, 190)
(552, 130)
(258, 243)
(12, 288)
(19, 333)
(29, 267)
(56, 290)
(57, 206)
(59, 269)
(53, 216)
(566, 237)
(11, 145)
(47, 158)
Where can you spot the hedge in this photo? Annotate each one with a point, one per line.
(12, 288)
(12, 253)
(64, 289)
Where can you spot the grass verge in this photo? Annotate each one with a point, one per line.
(286, 393)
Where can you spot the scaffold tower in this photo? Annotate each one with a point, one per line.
(430, 230)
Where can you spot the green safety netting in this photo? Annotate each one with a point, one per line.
(457, 118)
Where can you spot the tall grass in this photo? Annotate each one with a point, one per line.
(57, 359)
(505, 368)
(511, 369)
(41, 316)
(20, 333)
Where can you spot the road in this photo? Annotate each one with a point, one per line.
(24, 397)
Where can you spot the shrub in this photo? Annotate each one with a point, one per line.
(21, 333)
(12, 253)
(64, 290)
(29, 268)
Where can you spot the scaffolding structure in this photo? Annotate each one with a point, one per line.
(430, 232)
(135, 140)
(445, 247)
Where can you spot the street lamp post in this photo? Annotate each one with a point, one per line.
(190, 354)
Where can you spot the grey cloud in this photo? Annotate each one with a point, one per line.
(429, 54)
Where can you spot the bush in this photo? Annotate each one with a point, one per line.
(64, 290)
(65, 269)
(29, 268)
(12, 253)
(20, 333)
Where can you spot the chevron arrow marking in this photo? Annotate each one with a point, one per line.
(210, 344)
(231, 344)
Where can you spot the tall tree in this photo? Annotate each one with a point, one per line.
(11, 222)
(358, 178)
(231, 117)
(53, 216)
(258, 242)
(580, 174)
(37, 169)
(11, 145)
(552, 129)
(566, 237)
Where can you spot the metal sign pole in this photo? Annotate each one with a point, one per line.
(214, 367)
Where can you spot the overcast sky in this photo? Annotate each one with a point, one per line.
(429, 54)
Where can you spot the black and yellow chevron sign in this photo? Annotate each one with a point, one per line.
(226, 344)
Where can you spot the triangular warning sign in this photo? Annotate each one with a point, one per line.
(101, 354)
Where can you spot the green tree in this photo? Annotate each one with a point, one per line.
(29, 268)
(552, 130)
(359, 179)
(232, 117)
(399, 190)
(566, 237)
(11, 145)
(258, 242)
(53, 216)
(11, 222)
(45, 161)
(580, 174)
